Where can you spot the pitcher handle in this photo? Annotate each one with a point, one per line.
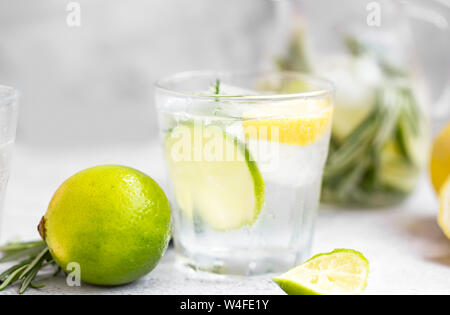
(431, 16)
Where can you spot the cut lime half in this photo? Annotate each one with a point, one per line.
(214, 177)
(341, 272)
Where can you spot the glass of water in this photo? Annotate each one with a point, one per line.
(245, 154)
(8, 123)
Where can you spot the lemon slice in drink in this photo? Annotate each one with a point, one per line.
(214, 177)
(444, 212)
(341, 272)
(298, 123)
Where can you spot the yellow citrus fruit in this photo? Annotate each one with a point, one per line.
(298, 123)
(440, 159)
(444, 212)
(113, 221)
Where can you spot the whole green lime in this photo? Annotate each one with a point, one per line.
(114, 221)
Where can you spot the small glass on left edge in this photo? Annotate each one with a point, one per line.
(245, 154)
(8, 123)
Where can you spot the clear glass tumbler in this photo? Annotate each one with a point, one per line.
(8, 123)
(245, 154)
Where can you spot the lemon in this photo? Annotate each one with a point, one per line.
(298, 123)
(444, 212)
(341, 272)
(113, 221)
(440, 159)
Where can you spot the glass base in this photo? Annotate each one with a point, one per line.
(241, 263)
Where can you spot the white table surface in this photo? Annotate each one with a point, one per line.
(407, 251)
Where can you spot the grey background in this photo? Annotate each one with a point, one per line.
(93, 85)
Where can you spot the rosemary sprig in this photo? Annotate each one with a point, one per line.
(16, 251)
(13, 277)
(217, 87)
(6, 273)
(18, 246)
(298, 54)
(217, 92)
(35, 256)
(357, 49)
(30, 273)
(359, 166)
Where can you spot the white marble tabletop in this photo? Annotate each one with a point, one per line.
(407, 251)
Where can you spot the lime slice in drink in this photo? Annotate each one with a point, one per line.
(342, 272)
(214, 177)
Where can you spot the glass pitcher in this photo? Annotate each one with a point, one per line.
(373, 51)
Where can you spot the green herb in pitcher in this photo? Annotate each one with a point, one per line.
(380, 133)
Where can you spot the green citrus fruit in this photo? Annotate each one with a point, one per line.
(226, 192)
(341, 272)
(114, 221)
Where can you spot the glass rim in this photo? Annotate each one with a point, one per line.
(10, 95)
(327, 87)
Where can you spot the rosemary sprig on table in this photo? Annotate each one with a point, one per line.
(31, 257)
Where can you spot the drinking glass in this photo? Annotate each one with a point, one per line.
(245, 154)
(8, 123)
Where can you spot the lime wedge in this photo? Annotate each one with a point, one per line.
(341, 272)
(214, 177)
